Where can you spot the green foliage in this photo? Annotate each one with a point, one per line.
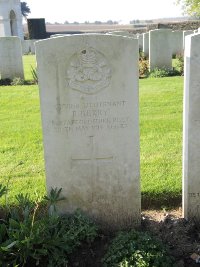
(3, 190)
(159, 73)
(190, 7)
(25, 9)
(136, 249)
(6, 81)
(143, 68)
(53, 198)
(164, 72)
(34, 74)
(178, 64)
(31, 237)
(143, 65)
(142, 55)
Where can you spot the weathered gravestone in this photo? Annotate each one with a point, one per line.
(11, 64)
(140, 40)
(191, 130)
(160, 54)
(28, 46)
(123, 33)
(185, 33)
(89, 102)
(177, 42)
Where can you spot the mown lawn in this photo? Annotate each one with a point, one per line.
(29, 62)
(21, 150)
(161, 140)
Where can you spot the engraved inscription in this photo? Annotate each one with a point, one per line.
(92, 116)
(88, 71)
(194, 195)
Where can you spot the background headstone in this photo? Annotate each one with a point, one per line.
(89, 102)
(28, 46)
(140, 40)
(177, 42)
(11, 64)
(191, 130)
(146, 44)
(185, 33)
(123, 33)
(160, 55)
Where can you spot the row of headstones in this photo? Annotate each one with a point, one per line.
(160, 45)
(89, 104)
(175, 38)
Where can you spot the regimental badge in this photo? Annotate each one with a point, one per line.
(88, 71)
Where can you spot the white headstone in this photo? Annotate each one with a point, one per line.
(89, 103)
(59, 35)
(28, 47)
(185, 33)
(177, 42)
(146, 44)
(123, 33)
(191, 130)
(160, 55)
(11, 19)
(11, 64)
(140, 40)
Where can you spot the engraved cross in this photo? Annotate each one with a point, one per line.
(92, 155)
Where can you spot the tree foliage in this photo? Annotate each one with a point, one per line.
(190, 7)
(25, 9)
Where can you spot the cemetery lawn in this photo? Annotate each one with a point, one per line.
(161, 105)
(21, 149)
(28, 62)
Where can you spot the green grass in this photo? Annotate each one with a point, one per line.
(161, 140)
(21, 150)
(28, 61)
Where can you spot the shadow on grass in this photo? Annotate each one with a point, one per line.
(161, 200)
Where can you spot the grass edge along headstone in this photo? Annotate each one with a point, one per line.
(89, 103)
(191, 129)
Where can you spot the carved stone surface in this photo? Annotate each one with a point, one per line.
(191, 129)
(89, 103)
(88, 71)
